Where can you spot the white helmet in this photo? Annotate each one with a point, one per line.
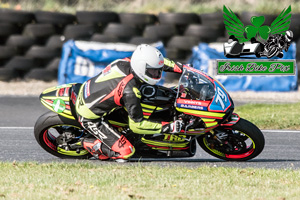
(147, 63)
(288, 36)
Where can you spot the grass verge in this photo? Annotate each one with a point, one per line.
(271, 116)
(153, 6)
(115, 181)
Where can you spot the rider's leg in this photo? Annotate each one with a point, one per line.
(110, 142)
(94, 145)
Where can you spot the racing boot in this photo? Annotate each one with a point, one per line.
(93, 146)
(123, 148)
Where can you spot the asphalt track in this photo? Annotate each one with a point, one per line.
(18, 115)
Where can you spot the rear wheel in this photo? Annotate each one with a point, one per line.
(60, 136)
(243, 141)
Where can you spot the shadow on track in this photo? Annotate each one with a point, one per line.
(209, 160)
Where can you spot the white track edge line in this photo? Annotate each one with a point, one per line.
(10, 127)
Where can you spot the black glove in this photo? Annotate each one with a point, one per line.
(174, 127)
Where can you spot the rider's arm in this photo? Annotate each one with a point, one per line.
(171, 66)
(137, 123)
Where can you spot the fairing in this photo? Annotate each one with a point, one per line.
(57, 99)
(202, 96)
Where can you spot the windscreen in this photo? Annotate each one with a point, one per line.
(193, 85)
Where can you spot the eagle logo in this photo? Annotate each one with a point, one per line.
(268, 41)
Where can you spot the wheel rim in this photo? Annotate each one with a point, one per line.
(238, 145)
(51, 138)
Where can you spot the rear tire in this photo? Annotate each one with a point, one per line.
(250, 132)
(43, 137)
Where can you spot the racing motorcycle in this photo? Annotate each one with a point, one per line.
(199, 100)
(276, 44)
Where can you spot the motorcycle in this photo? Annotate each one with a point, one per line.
(200, 101)
(276, 44)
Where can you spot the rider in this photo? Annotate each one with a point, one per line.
(278, 42)
(118, 86)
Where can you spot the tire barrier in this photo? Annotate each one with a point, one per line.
(97, 37)
(19, 18)
(183, 42)
(39, 36)
(121, 31)
(180, 20)
(79, 31)
(161, 32)
(55, 42)
(54, 18)
(22, 65)
(203, 33)
(142, 40)
(99, 19)
(137, 20)
(212, 19)
(295, 26)
(40, 32)
(7, 74)
(41, 74)
(57, 20)
(53, 64)
(42, 55)
(96, 17)
(20, 42)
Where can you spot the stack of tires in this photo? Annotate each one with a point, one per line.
(31, 42)
(31, 46)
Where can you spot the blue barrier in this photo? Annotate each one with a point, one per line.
(82, 60)
(202, 54)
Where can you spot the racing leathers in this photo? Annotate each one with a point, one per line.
(116, 86)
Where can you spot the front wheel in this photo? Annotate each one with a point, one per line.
(240, 142)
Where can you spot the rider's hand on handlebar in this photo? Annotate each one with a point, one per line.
(174, 127)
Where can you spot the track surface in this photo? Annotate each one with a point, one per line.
(282, 149)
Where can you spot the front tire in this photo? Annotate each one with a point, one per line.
(244, 141)
(48, 132)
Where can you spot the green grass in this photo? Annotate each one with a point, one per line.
(153, 6)
(134, 181)
(271, 116)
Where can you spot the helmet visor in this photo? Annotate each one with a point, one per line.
(154, 73)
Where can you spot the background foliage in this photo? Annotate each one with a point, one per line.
(153, 6)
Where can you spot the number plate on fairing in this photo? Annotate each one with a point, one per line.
(221, 101)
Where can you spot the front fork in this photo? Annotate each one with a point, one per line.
(218, 136)
(233, 119)
(221, 136)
